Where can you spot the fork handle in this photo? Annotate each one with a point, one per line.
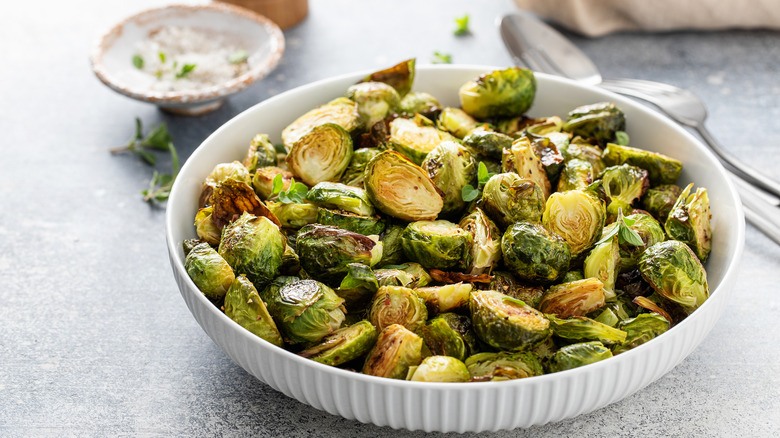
(759, 213)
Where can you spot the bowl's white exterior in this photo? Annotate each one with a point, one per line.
(461, 407)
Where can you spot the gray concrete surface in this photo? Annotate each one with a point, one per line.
(94, 337)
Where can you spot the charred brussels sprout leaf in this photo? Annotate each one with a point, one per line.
(366, 225)
(340, 196)
(507, 198)
(599, 121)
(341, 111)
(451, 167)
(447, 297)
(456, 121)
(506, 323)
(661, 169)
(521, 159)
(395, 351)
(535, 254)
(209, 271)
(503, 366)
(485, 249)
(344, 345)
(321, 154)
(415, 138)
(674, 271)
(577, 216)
(244, 306)
(575, 298)
(401, 189)
(375, 100)
(419, 103)
(306, 310)
(641, 329)
(488, 143)
(579, 328)
(399, 76)
(623, 186)
(660, 200)
(261, 153)
(440, 369)
(501, 93)
(253, 246)
(326, 251)
(450, 334)
(221, 173)
(689, 221)
(437, 244)
(397, 305)
(577, 355)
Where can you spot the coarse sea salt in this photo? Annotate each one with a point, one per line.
(169, 52)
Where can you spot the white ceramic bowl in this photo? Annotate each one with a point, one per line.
(112, 54)
(461, 407)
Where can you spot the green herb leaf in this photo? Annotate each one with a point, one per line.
(278, 184)
(629, 236)
(138, 62)
(158, 138)
(148, 157)
(161, 55)
(621, 138)
(442, 58)
(469, 193)
(514, 300)
(185, 70)
(238, 56)
(482, 174)
(462, 24)
(294, 195)
(623, 231)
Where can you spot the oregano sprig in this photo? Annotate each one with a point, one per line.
(624, 231)
(294, 195)
(469, 192)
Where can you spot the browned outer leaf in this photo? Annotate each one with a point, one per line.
(459, 277)
(231, 198)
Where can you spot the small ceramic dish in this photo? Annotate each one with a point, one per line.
(112, 57)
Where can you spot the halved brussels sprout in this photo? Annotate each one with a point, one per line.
(500, 93)
(648, 229)
(365, 225)
(575, 298)
(660, 200)
(579, 149)
(576, 174)
(221, 173)
(341, 111)
(419, 102)
(689, 221)
(577, 216)
(415, 138)
(521, 159)
(547, 151)
(676, 273)
(450, 334)
(358, 286)
(399, 76)
(507, 284)
(641, 329)
(253, 246)
(506, 323)
(603, 263)
(577, 355)
(397, 305)
(321, 154)
(375, 100)
(543, 125)
(415, 271)
(244, 306)
(437, 244)
(392, 247)
(660, 168)
(451, 167)
(205, 227)
(209, 271)
(599, 121)
(623, 185)
(535, 254)
(440, 369)
(503, 366)
(507, 198)
(445, 298)
(294, 215)
(394, 352)
(263, 181)
(341, 196)
(326, 251)
(306, 310)
(486, 242)
(401, 189)
(353, 176)
(456, 121)
(579, 328)
(344, 345)
(488, 143)
(393, 277)
(261, 153)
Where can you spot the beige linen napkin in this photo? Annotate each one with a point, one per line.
(600, 17)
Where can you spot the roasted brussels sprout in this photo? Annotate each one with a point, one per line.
(401, 189)
(205, 227)
(503, 366)
(648, 229)
(344, 345)
(209, 271)
(506, 323)
(418, 276)
(599, 121)
(440, 369)
(659, 200)
(231, 198)
(188, 244)
(451, 167)
(577, 355)
(253, 246)
(507, 284)
(579, 328)
(341, 111)
(676, 273)
(572, 275)
(393, 277)
(535, 254)
(660, 168)
(291, 264)
(450, 334)
(392, 247)
(579, 149)
(353, 176)
(576, 174)
(321, 154)
(244, 306)
(437, 244)
(641, 329)
(306, 310)
(397, 305)
(415, 138)
(689, 221)
(399, 76)
(603, 263)
(263, 181)
(507, 198)
(501, 93)
(294, 215)
(375, 100)
(577, 216)
(326, 251)
(575, 298)
(221, 173)
(358, 286)
(365, 225)
(488, 143)
(623, 185)
(445, 298)
(485, 248)
(521, 159)
(395, 351)
(456, 121)
(341, 196)
(418, 102)
(261, 153)
(547, 151)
